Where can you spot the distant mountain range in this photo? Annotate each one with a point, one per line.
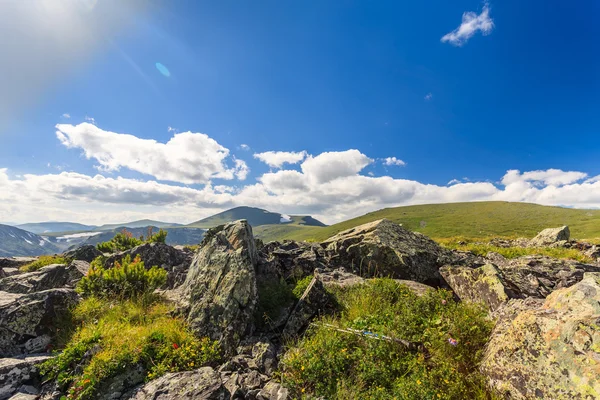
(34, 239)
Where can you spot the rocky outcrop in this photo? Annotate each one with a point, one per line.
(175, 262)
(290, 260)
(201, 384)
(20, 374)
(314, 301)
(49, 277)
(383, 248)
(478, 285)
(220, 287)
(550, 236)
(28, 320)
(85, 253)
(548, 349)
(10, 265)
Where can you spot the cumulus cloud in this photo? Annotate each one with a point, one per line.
(187, 157)
(471, 23)
(66, 115)
(276, 159)
(393, 161)
(428, 96)
(335, 164)
(244, 147)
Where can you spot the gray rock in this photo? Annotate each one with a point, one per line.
(385, 249)
(290, 260)
(19, 372)
(15, 262)
(220, 287)
(273, 391)
(86, 253)
(548, 348)
(550, 236)
(314, 301)
(118, 386)
(24, 396)
(264, 356)
(175, 262)
(49, 277)
(201, 384)
(26, 316)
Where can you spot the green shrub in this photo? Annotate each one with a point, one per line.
(125, 334)
(301, 286)
(120, 242)
(43, 261)
(127, 279)
(273, 297)
(342, 364)
(159, 237)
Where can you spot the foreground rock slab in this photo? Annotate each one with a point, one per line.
(220, 287)
(49, 277)
(28, 320)
(550, 236)
(202, 384)
(19, 372)
(548, 349)
(385, 249)
(477, 285)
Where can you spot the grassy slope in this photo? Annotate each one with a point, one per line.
(470, 220)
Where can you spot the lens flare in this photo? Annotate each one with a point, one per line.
(163, 70)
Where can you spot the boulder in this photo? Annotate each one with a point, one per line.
(550, 236)
(548, 348)
(15, 262)
(383, 248)
(19, 373)
(314, 301)
(201, 384)
(273, 391)
(49, 277)
(121, 385)
(220, 287)
(26, 317)
(478, 285)
(86, 253)
(175, 262)
(290, 260)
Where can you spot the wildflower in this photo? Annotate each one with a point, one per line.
(444, 302)
(302, 368)
(418, 382)
(175, 346)
(453, 342)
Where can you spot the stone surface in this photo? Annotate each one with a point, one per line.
(290, 260)
(314, 301)
(550, 236)
(548, 348)
(49, 277)
(119, 386)
(85, 253)
(383, 248)
(478, 285)
(201, 384)
(15, 262)
(19, 372)
(221, 285)
(175, 262)
(27, 316)
(273, 391)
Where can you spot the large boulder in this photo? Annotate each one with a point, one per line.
(86, 253)
(550, 236)
(221, 285)
(383, 248)
(548, 349)
(27, 321)
(201, 384)
(49, 277)
(20, 374)
(290, 260)
(10, 265)
(478, 285)
(176, 262)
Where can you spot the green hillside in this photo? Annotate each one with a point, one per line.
(471, 220)
(255, 216)
(137, 224)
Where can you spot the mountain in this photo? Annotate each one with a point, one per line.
(256, 217)
(136, 224)
(18, 242)
(50, 227)
(175, 235)
(471, 220)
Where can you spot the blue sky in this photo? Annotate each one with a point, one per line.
(342, 85)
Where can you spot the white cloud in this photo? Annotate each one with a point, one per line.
(187, 157)
(429, 96)
(90, 120)
(471, 23)
(393, 161)
(453, 182)
(170, 129)
(244, 147)
(335, 164)
(65, 115)
(276, 159)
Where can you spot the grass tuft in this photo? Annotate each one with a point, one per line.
(43, 261)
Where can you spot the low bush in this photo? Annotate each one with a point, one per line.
(273, 297)
(120, 242)
(43, 261)
(343, 357)
(115, 336)
(159, 237)
(482, 248)
(126, 279)
(301, 286)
